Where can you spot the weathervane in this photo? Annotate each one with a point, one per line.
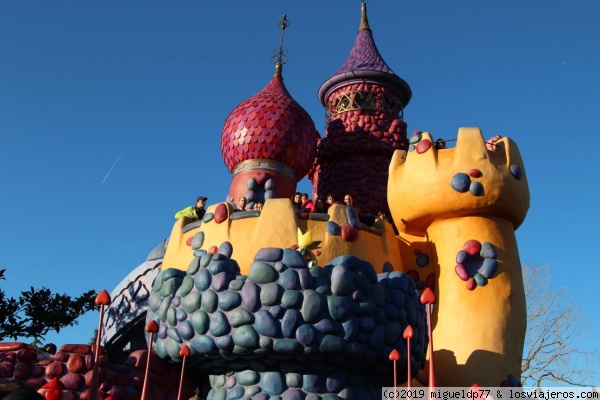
(280, 56)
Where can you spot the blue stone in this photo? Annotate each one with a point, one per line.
(236, 284)
(229, 300)
(461, 182)
(476, 188)
(411, 148)
(487, 250)
(350, 329)
(269, 184)
(176, 301)
(245, 336)
(247, 377)
(261, 272)
(289, 279)
(336, 381)
(172, 273)
(313, 383)
(198, 240)
(276, 311)
(480, 279)
(306, 279)
(391, 312)
(488, 269)
(173, 334)
(163, 309)
(332, 344)
(221, 281)
(366, 269)
(250, 296)
(185, 329)
(191, 302)
(328, 326)
(353, 217)
(205, 260)
(422, 260)
(332, 228)
(180, 314)
(293, 380)
(161, 349)
(216, 267)
(272, 383)
(209, 301)
(342, 281)
(387, 267)
(291, 299)
(339, 307)
(288, 346)
(269, 194)
(515, 170)
(199, 253)
(251, 184)
(186, 286)
(226, 249)
(461, 256)
(169, 287)
(235, 393)
(219, 325)
(290, 321)
(270, 294)
(313, 306)
(239, 317)
(363, 284)
(199, 320)
(162, 331)
(266, 325)
(204, 344)
(269, 254)
(208, 217)
(202, 280)
(194, 265)
(224, 343)
(367, 324)
(293, 394)
(293, 259)
(364, 308)
(414, 139)
(306, 334)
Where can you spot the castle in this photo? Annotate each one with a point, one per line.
(295, 305)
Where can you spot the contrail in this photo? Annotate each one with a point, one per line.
(117, 160)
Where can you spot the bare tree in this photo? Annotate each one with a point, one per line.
(555, 344)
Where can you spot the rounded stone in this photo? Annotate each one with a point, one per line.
(332, 344)
(515, 170)
(218, 325)
(289, 280)
(168, 288)
(306, 334)
(461, 272)
(290, 321)
(472, 247)
(335, 382)
(288, 346)
(423, 146)
(271, 293)
(251, 296)
(186, 330)
(349, 233)
(202, 280)
(265, 324)
(471, 284)
(239, 317)
(313, 383)
(186, 286)
(480, 279)
(461, 256)
(291, 299)
(173, 334)
(181, 315)
(475, 173)
(229, 300)
(342, 281)
(339, 307)
(261, 272)
(208, 217)
(72, 381)
(461, 182)
(209, 301)
(235, 393)
(293, 259)
(206, 259)
(269, 254)
(236, 284)
(221, 213)
(247, 377)
(200, 320)
(198, 240)
(293, 380)
(163, 309)
(487, 250)
(353, 217)
(422, 260)
(476, 189)
(415, 138)
(194, 265)
(224, 343)
(245, 336)
(488, 269)
(351, 329)
(226, 249)
(332, 228)
(272, 383)
(312, 306)
(191, 302)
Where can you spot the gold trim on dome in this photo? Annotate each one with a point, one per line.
(364, 22)
(265, 164)
(365, 100)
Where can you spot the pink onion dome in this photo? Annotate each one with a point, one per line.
(270, 125)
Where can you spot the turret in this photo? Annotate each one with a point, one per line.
(365, 102)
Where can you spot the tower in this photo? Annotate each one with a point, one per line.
(364, 101)
(268, 141)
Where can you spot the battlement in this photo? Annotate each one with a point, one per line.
(473, 178)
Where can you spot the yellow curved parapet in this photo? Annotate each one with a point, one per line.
(480, 317)
(277, 226)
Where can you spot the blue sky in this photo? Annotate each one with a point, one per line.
(82, 82)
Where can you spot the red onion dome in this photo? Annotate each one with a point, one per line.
(270, 125)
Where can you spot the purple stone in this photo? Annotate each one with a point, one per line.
(461, 272)
(306, 280)
(269, 254)
(461, 182)
(226, 249)
(461, 256)
(251, 296)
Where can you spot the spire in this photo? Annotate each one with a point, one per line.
(364, 22)
(280, 56)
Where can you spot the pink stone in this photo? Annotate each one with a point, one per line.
(22, 370)
(11, 346)
(461, 272)
(423, 146)
(76, 348)
(472, 247)
(475, 173)
(76, 363)
(137, 359)
(61, 357)
(72, 381)
(35, 383)
(89, 361)
(221, 213)
(54, 369)
(119, 393)
(37, 371)
(27, 354)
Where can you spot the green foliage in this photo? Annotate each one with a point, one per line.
(38, 311)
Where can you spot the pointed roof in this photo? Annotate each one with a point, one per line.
(365, 63)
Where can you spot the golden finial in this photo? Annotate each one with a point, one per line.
(364, 22)
(280, 56)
